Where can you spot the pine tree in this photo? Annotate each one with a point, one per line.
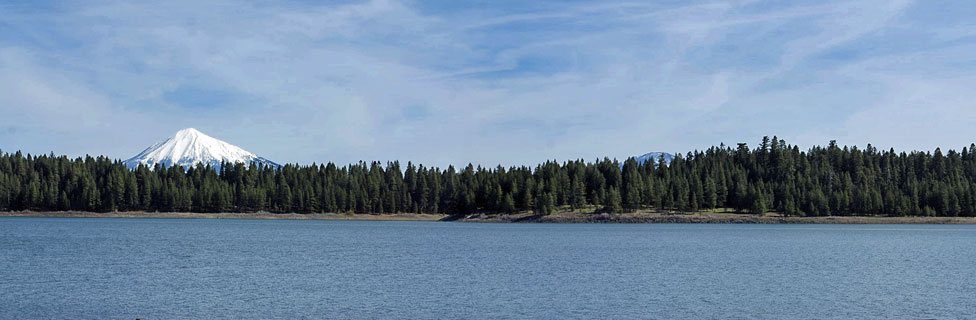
(544, 203)
(631, 190)
(614, 203)
(508, 204)
(710, 198)
(758, 205)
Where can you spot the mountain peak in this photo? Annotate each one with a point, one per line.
(189, 147)
(189, 132)
(654, 157)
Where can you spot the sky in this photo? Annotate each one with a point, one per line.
(484, 82)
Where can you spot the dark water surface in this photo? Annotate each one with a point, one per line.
(184, 268)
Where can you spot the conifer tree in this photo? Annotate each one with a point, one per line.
(614, 203)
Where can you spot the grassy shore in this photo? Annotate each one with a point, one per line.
(561, 217)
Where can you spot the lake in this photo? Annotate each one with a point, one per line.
(198, 268)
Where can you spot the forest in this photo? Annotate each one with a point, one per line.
(772, 177)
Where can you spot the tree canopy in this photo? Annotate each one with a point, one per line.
(774, 176)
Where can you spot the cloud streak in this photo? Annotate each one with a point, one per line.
(514, 84)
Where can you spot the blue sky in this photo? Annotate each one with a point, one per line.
(487, 82)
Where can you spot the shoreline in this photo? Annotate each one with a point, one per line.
(709, 218)
(197, 215)
(561, 217)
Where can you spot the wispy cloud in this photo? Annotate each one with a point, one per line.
(509, 84)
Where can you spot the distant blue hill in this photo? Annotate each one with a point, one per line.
(653, 157)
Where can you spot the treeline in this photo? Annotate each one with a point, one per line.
(774, 176)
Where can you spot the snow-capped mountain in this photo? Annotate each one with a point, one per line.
(188, 147)
(654, 156)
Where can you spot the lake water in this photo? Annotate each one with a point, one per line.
(175, 268)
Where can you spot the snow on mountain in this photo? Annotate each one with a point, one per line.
(654, 157)
(188, 147)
